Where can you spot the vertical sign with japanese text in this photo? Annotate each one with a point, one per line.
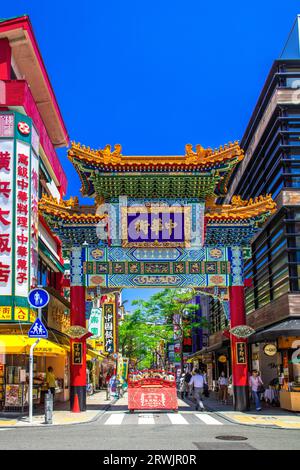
(6, 216)
(95, 323)
(34, 209)
(241, 353)
(77, 353)
(22, 248)
(109, 327)
(19, 168)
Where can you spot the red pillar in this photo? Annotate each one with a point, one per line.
(78, 361)
(239, 350)
(5, 59)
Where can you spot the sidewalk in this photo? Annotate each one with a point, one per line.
(96, 405)
(269, 416)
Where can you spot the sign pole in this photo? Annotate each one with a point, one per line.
(31, 379)
(39, 313)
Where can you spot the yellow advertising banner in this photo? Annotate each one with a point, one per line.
(5, 313)
(21, 314)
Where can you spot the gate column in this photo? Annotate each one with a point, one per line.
(239, 353)
(78, 346)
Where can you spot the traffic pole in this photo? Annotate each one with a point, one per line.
(31, 379)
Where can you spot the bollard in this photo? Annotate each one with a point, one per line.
(48, 407)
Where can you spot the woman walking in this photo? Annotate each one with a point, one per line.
(257, 387)
(223, 388)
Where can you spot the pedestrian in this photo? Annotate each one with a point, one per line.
(51, 380)
(182, 385)
(187, 379)
(198, 382)
(100, 381)
(257, 387)
(223, 388)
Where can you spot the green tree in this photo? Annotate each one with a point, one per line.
(154, 320)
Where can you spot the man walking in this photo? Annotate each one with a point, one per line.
(198, 382)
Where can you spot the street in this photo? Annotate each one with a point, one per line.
(117, 429)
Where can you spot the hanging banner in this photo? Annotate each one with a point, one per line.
(95, 323)
(109, 327)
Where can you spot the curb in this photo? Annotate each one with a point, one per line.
(43, 425)
(232, 421)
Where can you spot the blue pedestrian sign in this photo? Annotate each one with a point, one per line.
(38, 330)
(38, 298)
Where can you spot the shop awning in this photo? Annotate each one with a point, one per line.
(214, 347)
(286, 328)
(20, 344)
(90, 354)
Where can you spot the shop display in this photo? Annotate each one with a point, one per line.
(16, 395)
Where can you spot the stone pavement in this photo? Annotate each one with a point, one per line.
(269, 416)
(96, 405)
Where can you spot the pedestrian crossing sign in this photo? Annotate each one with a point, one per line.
(38, 330)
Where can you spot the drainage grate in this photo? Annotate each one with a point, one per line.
(232, 438)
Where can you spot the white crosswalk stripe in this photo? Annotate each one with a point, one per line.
(207, 419)
(115, 419)
(173, 419)
(177, 419)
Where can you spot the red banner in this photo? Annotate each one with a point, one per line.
(152, 394)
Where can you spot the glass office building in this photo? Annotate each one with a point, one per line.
(271, 144)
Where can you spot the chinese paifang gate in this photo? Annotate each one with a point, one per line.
(156, 222)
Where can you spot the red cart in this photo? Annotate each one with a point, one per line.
(152, 390)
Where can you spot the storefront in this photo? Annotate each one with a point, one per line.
(14, 369)
(275, 352)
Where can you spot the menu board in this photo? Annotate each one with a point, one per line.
(14, 395)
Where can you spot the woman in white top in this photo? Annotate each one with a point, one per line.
(223, 388)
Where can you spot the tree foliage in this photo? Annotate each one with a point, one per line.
(153, 321)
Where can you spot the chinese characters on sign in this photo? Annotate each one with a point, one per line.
(7, 123)
(77, 353)
(163, 225)
(95, 323)
(34, 209)
(241, 353)
(6, 215)
(19, 169)
(22, 219)
(109, 327)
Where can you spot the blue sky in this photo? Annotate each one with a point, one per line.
(154, 75)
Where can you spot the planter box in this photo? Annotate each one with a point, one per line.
(290, 400)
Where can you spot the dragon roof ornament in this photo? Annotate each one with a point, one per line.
(240, 209)
(201, 157)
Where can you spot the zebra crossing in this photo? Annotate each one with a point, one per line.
(172, 419)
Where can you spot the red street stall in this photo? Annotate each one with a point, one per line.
(152, 390)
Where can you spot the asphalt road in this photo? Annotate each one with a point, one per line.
(116, 429)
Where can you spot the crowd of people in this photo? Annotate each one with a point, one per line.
(195, 385)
